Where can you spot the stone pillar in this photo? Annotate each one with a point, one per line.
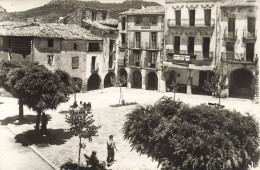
(101, 86)
(143, 73)
(256, 96)
(189, 82)
(161, 82)
(129, 80)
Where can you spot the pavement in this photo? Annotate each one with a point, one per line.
(14, 156)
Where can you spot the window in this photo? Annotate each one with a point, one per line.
(138, 39)
(251, 25)
(75, 46)
(207, 17)
(110, 61)
(93, 63)
(152, 58)
(50, 43)
(205, 47)
(137, 57)
(75, 62)
(94, 16)
(104, 16)
(178, 17)
(230, 46)
(93, 47)
(191, 45)
(123, 38)
(250, 50)
(154, 20)
(154, 37)
(192, 17)
(231, 25)
(123, 23)
(138, 20)
(177, 44)
(112, 46)
(50, 60)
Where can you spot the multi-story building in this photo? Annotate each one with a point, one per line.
(141, 47)
(58, 46)
(190, 43)
(238, 39)
(98, 22)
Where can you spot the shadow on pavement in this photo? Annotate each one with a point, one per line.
(53, 137)
(64, 111)
(29, 119)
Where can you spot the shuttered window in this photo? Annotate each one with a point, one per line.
(75, 62)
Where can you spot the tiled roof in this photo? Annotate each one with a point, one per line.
(146, 10)
(97, 25)
(234, 3)
(109, 22)
(49, 30)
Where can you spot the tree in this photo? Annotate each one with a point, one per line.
(77, 85)
(216, 85)
(41, 89)
(8, 66)
(81, 124)
(119, 82)
(201, 137)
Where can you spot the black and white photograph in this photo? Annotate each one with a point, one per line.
(129, 85)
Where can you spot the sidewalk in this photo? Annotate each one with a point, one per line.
(17, 157)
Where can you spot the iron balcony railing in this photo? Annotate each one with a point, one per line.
(153, 65)
(249, 35)
(230, 34)
(200, 22)
(239, 57)
(121, 61)
(152, 45)
(136, 45)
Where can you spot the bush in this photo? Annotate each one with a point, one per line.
(202, 137)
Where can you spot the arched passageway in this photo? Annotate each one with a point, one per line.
(152, 81)
(240, 83)
(137, 79)
(123, 73)
(94, 82)
(108, 82)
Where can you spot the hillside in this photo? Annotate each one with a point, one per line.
(60, 8)
(4, 15)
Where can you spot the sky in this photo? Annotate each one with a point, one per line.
(22, 5)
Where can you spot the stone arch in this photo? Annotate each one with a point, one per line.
(94, 82)
(123, 72)
(152, 81)
(108, 79)
(241, 83)
(137, 79)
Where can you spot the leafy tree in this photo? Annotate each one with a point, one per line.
(201, 137)
(216, 85)
(81, 124)
(119, 82)
(41, 89)
(8, 66)
(77, 85)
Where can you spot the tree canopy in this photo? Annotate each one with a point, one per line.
(202, 137)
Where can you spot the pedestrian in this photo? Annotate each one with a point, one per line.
(111, 147)
(85, 105)
(75, 104)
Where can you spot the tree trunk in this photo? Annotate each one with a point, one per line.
(219, 100)
(79, 151)
(119, 95)
(38, 119)
(75, 97)
(123, 102)
(21, 116)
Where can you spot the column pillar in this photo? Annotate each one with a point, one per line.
(143, 79)
(129, 80)
(101, 86)
(189, 82)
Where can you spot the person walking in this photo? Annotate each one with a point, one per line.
(111, 147)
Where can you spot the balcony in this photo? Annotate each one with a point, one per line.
(135, 63)
(121, 62)
(149, 65)
(200, 22)
(230, 35)
(238, 57)
(249, 36)
(94, 67)
(152, 46)
(136, 45)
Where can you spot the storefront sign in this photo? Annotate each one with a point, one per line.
(181, 57)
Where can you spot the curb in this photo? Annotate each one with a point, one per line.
(35, 149)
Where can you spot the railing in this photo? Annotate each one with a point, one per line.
(134, 63)
(249, 35)
(121, 62)
(232, 35)
(136, 45)
(200, 22)
(95, 67)
(238, 57)
(151, 65)
(152, 45)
